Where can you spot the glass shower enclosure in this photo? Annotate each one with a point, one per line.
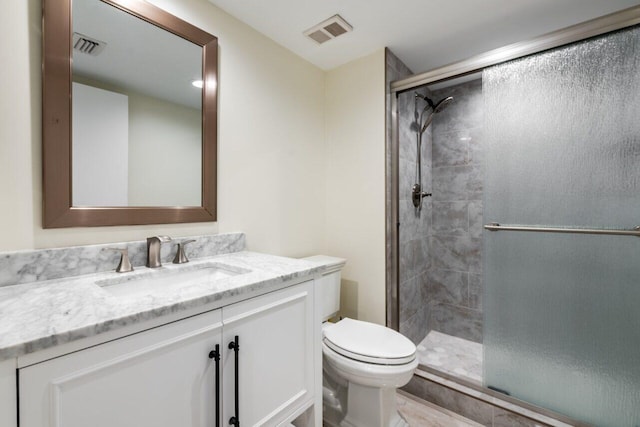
(526, 260)
(562, 310)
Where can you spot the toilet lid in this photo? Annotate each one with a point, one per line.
(368, 342)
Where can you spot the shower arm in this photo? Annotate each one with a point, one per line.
(416, 191)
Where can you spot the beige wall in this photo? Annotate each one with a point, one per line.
(271, 151)
(355, 220)
(19, 123)
(165, 153)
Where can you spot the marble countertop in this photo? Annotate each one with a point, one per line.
(40, 315)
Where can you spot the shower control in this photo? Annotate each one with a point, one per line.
(417, 195)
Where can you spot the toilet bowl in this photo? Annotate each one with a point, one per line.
(363, 363)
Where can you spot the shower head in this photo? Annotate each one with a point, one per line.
(442, 104)
(427, 122)
(435, 109)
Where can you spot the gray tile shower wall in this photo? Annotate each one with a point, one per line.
(46, 264)
(454, 277)
(440, 246)
(415, 224)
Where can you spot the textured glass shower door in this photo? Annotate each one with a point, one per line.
(562, 311)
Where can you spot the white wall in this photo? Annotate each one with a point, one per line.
(271, 139)
(355, 224)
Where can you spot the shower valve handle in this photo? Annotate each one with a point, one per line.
(417, 195)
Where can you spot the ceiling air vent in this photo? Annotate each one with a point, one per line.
(329, 29)
(87, 45)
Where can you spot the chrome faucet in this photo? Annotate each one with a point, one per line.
(153, 250)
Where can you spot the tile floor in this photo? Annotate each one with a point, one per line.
(419, 413)
(452, 355)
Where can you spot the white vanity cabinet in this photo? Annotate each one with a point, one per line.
(166, 376)
(160, 377)
(275, 364)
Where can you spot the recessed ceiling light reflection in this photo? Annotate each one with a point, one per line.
(197, 83)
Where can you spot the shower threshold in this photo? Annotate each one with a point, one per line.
(452, 355)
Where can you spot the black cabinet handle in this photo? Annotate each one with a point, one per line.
(215, 354)
(235, 346)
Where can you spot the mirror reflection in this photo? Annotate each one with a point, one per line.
(136, 111)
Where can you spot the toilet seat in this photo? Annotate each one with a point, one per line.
(367, 374)
(369, 343)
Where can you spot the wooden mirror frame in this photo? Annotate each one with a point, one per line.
(58, 211)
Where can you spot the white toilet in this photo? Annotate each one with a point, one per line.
(363, 363)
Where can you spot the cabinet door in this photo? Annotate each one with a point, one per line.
(161, 377)
(8, 396)
(275, 358)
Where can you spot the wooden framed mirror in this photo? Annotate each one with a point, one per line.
(128, 136)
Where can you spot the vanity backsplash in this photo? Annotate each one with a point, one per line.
(46, 264)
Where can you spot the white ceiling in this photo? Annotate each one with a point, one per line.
(424, 34)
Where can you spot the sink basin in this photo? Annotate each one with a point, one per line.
(167, 279)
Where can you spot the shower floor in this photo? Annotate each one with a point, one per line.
(452, 355)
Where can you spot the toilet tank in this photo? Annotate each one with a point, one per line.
(329, 283)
